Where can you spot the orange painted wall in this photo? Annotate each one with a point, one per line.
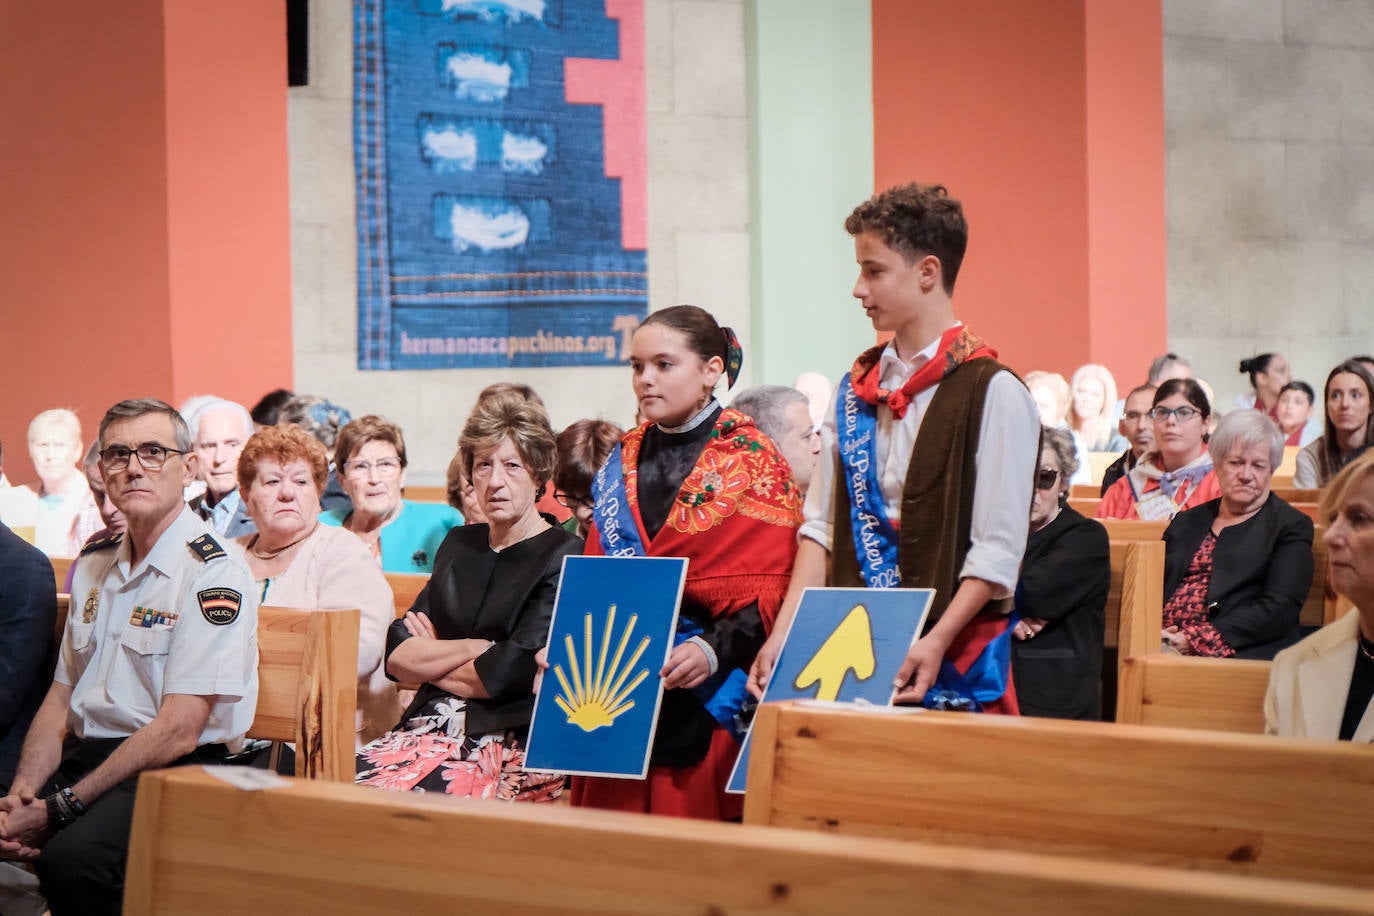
(1010, 105)
(83, 250)
(228, 198)
(143, 182)
(1127, 228)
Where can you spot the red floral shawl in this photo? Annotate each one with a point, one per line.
(735, 519)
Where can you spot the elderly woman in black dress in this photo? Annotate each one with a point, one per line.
(471, 637)
(1062, 596)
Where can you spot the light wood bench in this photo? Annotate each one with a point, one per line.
(1161, 796)
(60, 567)
(308, 687)
(1137, 586)
(201, 846)
(426, 494)
(405, 587)
(1218, 694)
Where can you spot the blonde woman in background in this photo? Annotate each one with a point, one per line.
(1092, 413)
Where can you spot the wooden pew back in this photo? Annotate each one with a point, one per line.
(60, 567)
(406, 587)
(1137, 585)
(308, 687)
(201, 846)
(1219, 694)
(1214, 801)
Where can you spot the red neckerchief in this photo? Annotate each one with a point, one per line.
(958, 345)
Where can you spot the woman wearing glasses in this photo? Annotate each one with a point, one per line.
(402, 535)
(1056, 654)
(1237, 569)
(1178, 473)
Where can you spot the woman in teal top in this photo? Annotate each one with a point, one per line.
(402, 535)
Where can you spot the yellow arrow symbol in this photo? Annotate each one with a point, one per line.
(850, 647)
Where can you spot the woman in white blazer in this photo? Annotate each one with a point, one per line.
(1322, 687)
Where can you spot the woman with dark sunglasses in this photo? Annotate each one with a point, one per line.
(1178, 473)
(1056, 652)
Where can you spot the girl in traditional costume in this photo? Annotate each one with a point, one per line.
(698, 481)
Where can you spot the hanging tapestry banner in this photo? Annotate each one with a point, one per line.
(500, 155)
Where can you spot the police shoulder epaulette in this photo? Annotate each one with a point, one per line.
(100, 544)
(207, 548)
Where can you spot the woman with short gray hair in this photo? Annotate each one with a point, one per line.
(1237, 569)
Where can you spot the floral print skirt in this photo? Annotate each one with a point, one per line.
(434, 753)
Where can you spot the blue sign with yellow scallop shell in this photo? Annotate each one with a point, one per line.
(612, 630)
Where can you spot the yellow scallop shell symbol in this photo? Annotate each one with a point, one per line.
(595, 699)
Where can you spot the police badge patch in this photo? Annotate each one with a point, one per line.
(91, 606)
(219, 605)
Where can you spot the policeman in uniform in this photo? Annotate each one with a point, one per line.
(158, 667)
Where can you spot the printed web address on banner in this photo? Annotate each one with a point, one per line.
(511, 346)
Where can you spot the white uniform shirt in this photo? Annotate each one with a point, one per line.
(1007, 460)
(121, 662)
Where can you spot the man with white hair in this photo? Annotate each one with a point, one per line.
(219, 429)
(783, 415)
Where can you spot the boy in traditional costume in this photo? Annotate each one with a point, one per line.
(933, 451)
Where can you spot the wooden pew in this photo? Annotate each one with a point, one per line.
(1137, 585)
(201, 846)
(1218, 694)
(406, 588)
(1212, 801)
(1291, 495)
(1086, 506)
(1121, 529)
(60, 567)
(308, 687)
(426, 494)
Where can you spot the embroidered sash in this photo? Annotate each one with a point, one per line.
(875, 539)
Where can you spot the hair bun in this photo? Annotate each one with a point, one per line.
(734, 355)
(1247, 366)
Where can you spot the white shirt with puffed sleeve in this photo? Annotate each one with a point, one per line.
(183, 620)
(1008, 455)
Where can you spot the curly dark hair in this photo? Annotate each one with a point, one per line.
(916, 220)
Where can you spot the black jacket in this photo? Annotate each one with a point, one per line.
(1261, 572)
(507, 597)
(28, 615)
(1064, 579)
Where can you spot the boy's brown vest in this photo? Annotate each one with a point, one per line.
(937, 498)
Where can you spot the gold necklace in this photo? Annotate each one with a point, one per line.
(1359, 641)
(273, 554)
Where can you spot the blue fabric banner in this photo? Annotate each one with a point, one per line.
(500, 150)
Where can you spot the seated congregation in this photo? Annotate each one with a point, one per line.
(191, 528)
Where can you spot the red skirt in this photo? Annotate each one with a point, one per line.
(697, 791)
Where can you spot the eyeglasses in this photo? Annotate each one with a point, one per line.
(1046, 478)
(1184, 413)
(569, 501)
(386, 467)
(1135, 416)
(151, 456)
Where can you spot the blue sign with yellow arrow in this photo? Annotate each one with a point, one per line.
(844, 644)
